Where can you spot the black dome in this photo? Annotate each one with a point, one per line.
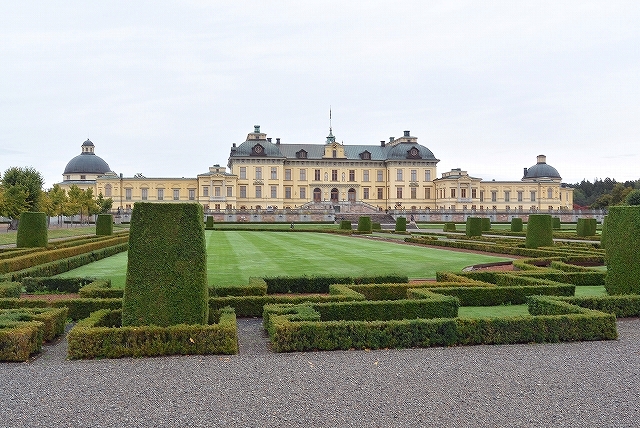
(87, 162)
(541, 170)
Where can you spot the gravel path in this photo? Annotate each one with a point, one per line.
(583, 384)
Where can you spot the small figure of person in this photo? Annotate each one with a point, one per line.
(291, 225)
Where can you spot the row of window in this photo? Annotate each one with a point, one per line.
(302, 191)
(144, 194)
(494, 194)
(335, 176)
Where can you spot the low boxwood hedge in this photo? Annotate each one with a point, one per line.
(101, 336)
(53, 319)
(20, 340)
(10, 289)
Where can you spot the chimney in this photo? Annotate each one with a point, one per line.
(392, 139)
(525, 172)
(381, 143)
(542, 159)
(406, 134)
(256, 129)
(268, 139)
(277, 140)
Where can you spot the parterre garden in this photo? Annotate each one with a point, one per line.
(168, 307)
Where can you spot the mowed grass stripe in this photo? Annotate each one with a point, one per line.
(234, 256)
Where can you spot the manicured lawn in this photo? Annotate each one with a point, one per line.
(590, 291)
(493, 311)
(234, 256)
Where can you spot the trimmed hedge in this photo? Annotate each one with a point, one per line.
(104, 225)
(299, 328)
(53, 319)
(345, 224)
(167, 268)
(516, 224)
(320, 284)
(622, 256)
(473, 226)
(209, 222)
(486, 224)
(41, 257)
(401, 224)
(255, 287)
(81, 308)
(449, 226)
(64, 265)
(495, 296)
(377, 226)
(10, 289)
(539, 231)
(54, 285)
(555, 223)
(20, 340)
(101, 336)
(364, 224)
(586, 227)
(100, 289)
(32, 230)
(622, 306)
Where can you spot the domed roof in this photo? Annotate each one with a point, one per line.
(541, 170)
(87, 162)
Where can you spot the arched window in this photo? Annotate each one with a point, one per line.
(550, 193)
(107, 190)
(335, 195)
(317, 195)
(352, 195)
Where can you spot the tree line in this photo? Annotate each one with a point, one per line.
(603, 193)
(21, 190)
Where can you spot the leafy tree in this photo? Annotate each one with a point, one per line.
(28, 181)
(104, 205)
(13, 202)
(633, 197)
(74, 203)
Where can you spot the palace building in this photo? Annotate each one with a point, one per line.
(263, 174)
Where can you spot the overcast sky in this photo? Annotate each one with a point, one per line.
(164, 88)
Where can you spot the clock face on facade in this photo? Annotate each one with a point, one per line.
(414, 152)
(258, 149)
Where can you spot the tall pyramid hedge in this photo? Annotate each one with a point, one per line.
(539, 231)
(167, 268)
(32, 230)
(621, 253)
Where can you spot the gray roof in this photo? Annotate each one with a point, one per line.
(87, 163)
(316, 151)
(541, 170)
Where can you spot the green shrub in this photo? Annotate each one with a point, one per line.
(449, 226)
(20, 340)
(10, 289)
(345, 224)
(401, 224)
(586, 227)
(81, 308)
(54, 285)
(104, 225)
(209, 224)
(53, 319)
(555, 223)
(516, 224)
(539, 231)
(633, 198)
(364, 224)
(603, 233)
(486, 224)
(167, 267)
(376, 226)
(101, 336)
(32, 230)
(622, 256)
(320, 284)
(474, 226)
(101, 289)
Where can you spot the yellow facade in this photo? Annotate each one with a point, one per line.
(398, 174)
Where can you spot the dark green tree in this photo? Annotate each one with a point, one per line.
(22, 188)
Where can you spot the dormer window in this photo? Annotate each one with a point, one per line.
(366, 155)
(258, 150)
(413, 153)
(301, 154)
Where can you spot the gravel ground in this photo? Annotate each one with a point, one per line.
(583, 384)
